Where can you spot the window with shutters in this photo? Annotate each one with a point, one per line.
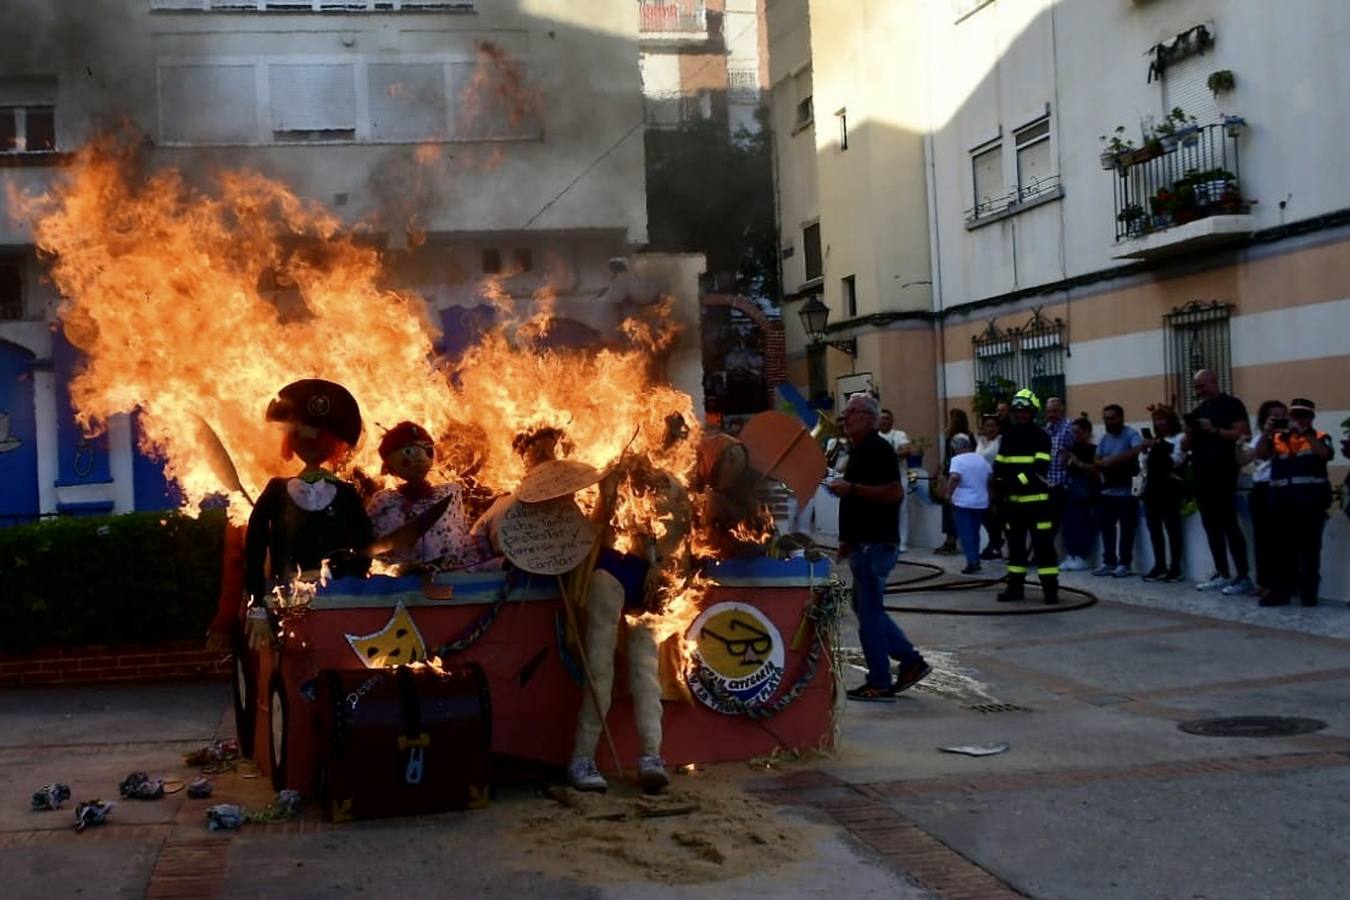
(312, 102)
(231, 116)
(338, 99)
(27, 115)
(407, 101)
(987, 171)
(1036, 173)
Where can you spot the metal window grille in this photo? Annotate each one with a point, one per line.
(1199, 336)
(1031, 355)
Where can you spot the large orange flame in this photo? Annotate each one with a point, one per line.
(191, 301)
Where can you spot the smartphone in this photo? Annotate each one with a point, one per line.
(1147, 433)
(1280, 424)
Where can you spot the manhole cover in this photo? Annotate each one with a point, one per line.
(1252, 726)
(997, 707)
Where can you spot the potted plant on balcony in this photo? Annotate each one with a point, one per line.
(1162, 205)
(1233, 125)
(1114, 148)
(1177, 128)
(1130, 217)
(1212, 185)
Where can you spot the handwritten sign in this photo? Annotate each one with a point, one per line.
(557, 478)
(547, 538)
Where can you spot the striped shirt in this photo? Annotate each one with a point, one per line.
(1061, 440)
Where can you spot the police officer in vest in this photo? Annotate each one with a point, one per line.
(1020, 472)
(1300, 495)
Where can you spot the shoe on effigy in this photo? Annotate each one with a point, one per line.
(652, 774)
(583, 775)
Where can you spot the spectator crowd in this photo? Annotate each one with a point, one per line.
(1032, 475)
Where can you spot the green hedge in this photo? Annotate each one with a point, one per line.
(135, 578)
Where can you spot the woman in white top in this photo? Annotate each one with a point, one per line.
(1263, 524)
(968, 488)
(991, 438)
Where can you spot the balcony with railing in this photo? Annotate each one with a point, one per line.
(1181, 191)
(673, 20)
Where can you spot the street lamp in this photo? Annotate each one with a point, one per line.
(815, 315)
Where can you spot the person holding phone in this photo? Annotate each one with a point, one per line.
(1163, 490)
(1213, 431)
(1301, 494)
(1270, 414)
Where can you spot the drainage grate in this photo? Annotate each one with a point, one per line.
(1252, 726)
(997, 707)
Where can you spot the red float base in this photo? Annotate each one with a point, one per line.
(534, 696)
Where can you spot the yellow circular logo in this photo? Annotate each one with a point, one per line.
(739, 654)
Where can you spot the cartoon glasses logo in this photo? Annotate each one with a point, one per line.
(739, 654)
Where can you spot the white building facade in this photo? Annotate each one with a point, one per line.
(537, 182)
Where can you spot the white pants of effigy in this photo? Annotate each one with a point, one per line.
(604, 608)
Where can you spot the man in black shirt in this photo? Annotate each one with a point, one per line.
(870, 495)
(1213, 432)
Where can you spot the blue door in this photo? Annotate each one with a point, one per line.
(18, 437)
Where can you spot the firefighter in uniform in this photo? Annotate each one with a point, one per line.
(1020, 471)
(1300, 494)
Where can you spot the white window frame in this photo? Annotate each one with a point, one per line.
(1018, 145)
(976, 153)
(262, 136)
(20, 113)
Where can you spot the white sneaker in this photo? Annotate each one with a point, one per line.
(1214, 582)
(583, 775)
(1121, 572)
(652, 774)
(1238, 587)
(1072, 564)
(1104, 569)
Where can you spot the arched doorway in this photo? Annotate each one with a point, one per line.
(18, 437)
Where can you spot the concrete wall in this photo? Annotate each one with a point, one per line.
(116, 59)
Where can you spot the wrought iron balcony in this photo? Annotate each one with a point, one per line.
(673, 17)
(1177, 179)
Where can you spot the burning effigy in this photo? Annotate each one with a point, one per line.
(474, 550)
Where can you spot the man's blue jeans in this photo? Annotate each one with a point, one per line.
(882, 640)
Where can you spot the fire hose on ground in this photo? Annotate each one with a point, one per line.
(922, 583)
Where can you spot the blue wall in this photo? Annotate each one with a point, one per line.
(80, 459)
(18, 448)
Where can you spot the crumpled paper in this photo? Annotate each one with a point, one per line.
(91, 812)
(139, 786)
(51, 796)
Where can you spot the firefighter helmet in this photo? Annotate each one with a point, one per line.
(1027, 399)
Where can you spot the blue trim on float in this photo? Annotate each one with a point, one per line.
(767, 570)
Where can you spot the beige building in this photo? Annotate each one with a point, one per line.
(478, 140)
(1115, 195)
(849, 103)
